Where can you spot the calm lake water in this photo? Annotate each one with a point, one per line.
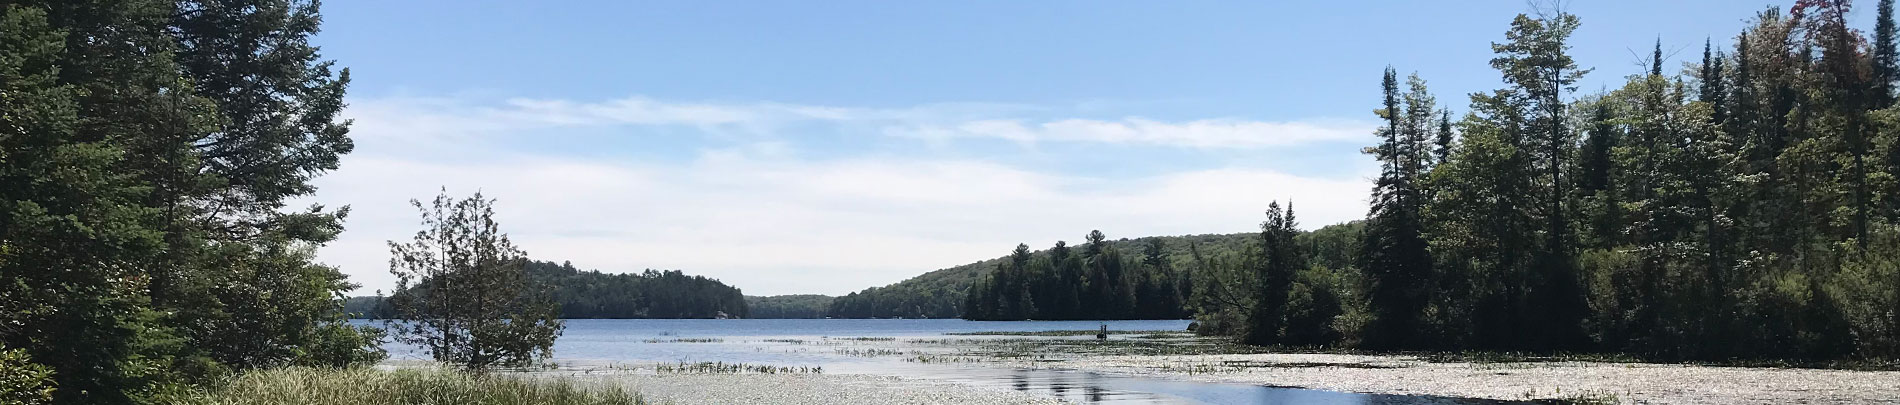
(827, 343)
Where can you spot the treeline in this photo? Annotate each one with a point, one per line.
(654, 294)
(1747, 207)
(943, 293)
(149, 150)
(1093, 282)
(591, 294)
(801, 306)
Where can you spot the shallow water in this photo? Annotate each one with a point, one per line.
(839, 345)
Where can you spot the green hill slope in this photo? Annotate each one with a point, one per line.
(938, 294)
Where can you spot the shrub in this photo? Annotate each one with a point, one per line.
(22, 381)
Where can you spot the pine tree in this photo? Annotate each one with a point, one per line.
(1397, 263)
(1441, 151)
(1656, 59)
(1536, 64)
(1597, 163)
(1276, 259)
(1714, 89)
(1886, 67)
(466, 296)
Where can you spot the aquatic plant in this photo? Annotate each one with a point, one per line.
(359, 386)
(686, 340)
(720, 367)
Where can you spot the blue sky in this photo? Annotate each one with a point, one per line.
(823, 147)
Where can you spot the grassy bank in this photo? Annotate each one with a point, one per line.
(418, 387)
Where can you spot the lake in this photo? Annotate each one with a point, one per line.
(886, 346)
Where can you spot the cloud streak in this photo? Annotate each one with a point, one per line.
(1208, 134)
(760, 214)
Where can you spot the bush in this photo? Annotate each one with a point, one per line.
(338, 344)
(23, 382)
(365, 386)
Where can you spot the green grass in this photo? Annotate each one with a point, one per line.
(366, 386)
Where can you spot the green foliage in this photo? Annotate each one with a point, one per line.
(23, 382)
(592, 294)
(1096, 282)
(1397, 264)
(147, 150)
(1750, 215)
(464, 292)
(942, 293)
(320, 386)
(802, 306)
(651, 294)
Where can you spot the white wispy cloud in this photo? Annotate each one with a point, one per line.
(1196, 134)
(441, 117)
(758, 214)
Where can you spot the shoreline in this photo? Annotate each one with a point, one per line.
(924, 371)
(1580, 381)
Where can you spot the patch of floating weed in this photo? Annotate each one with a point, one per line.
(867, 338)
(932, 358)
(719, 367)
(1060, 333)
(686, 340)
(870, 352)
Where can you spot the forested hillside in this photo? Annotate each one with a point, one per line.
(802, 306)
(1744, 206)
(592, 294)
(941, 293)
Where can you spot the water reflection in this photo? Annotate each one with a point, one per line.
(830, 344)
(1086, 387)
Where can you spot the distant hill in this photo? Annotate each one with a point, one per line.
(803, 306)
(591, 294)
(938, 294)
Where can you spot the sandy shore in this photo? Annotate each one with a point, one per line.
(1615, 382)
(813, 389)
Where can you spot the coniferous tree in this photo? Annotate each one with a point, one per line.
(1441, 150)
(1536, 64)
(1397, 263)
(1714, 90)
(1886, 59)
(466, 296)
(1276, 259)
(169, 270)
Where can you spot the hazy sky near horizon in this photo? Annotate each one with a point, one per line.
(824, 147)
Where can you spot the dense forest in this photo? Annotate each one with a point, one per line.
(1746, 206)
(942, 293)
(800, 306)
(592, 294)
(1092, 281)
(150, 151)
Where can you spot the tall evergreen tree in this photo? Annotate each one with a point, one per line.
(1441, 150)
(1535, 61)
(1714, 89)
(1886, 59)
(1277, 259)
(1397, 263)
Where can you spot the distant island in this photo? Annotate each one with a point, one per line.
(592, 294)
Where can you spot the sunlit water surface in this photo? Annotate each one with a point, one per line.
(827, 343)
